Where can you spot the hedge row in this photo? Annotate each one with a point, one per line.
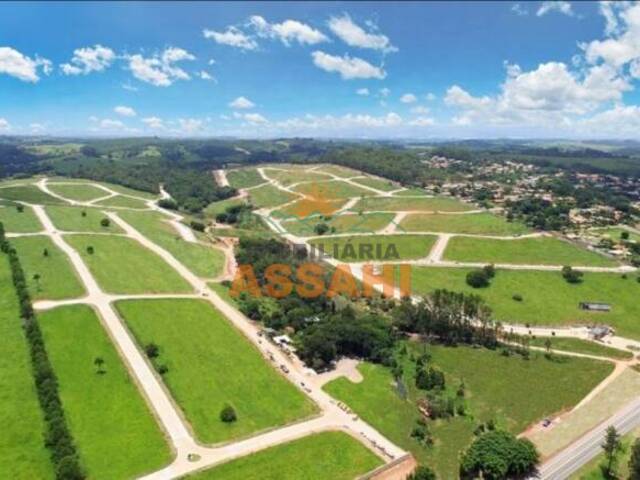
(57, 435)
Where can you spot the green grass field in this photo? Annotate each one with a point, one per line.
(532, 251)
(71, 219)
(77, 191)
(382, 247)
(19, 222)
(377, 183)
(210, 365)
(298, 210)
(581, 346)
(289, 177)
(29, 194)
(398, 204)
(332, 190)
(496, 387)
(341, 223)
(328, 455)
(614, 233)
(410, 192)
(122, 265)
(218, 207)
(547, 298)
(202, 260)
(22, 451)
(57, 280)
(269, 196)
(244, 178)
(123, 202)
(107, 415)
(476, 223)
(339, 171)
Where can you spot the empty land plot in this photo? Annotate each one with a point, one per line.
(56, 279)
(289, 177)
(580, 346)
(269, 196)
(332, 190)
(28, 194)
(547, 298)
(333, 455)
(377, 183)
(528, 251)
(364, 223)
(305, 208)
(497, 387)
(203, 260)
(338, 171)
(79, 219)
(219, 207)
(22, 451)
(210, 365)
(376, 247)
(411, 192)
(77, 191)
(122, 265)
(122, 190)
(17, 221)
(399, 204)
(614, 233)
(123, 202)
(116, 434)
(244, 178)
(473, 223)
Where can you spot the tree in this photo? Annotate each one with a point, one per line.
(83, 213)
(422, 472)
(571, 275)
(477, 279)
(105, 222)
(489, 270)
(634, 461)
(611, 447)
(547, 345)
(20, 208)
(152, 350)
(198, 226)
(90, 250)
(624, 236)
(321, 228)
(45, 253)
(36, 278)
(228, 414)
(99, 362)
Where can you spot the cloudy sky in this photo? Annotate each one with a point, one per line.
(366, 70)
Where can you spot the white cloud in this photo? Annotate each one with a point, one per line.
(20, 66)
(623, 47)
(384, 92)
(154, 123)
(620, 121)
(363, 91)
(109, 124)
(242, 103)
(355, 36)
(36, 127)
(408, 98)
(4, 124)
(255, 119)
(555, 6)
(232, 37)
(430, 97)
(204, 75)
(348, 67)
(519, 10)
(89, 59)
(421, 122)
(287, 31)
(129, 87)
(160, 70)
(125, 111)
(190, 125)
(420, 110)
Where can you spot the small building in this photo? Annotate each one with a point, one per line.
(599, 332)
(595, 306)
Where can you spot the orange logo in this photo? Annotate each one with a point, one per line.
(316, 202)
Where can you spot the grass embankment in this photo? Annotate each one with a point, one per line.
(77, 191)
(377, 183)
(16, 221)
(398, 204)
(377, 247)
(29, 194)
(474, 224)
(123, 202)
(581, 346)
(269, 196)
(80, 219)
(332, 190)
(365, 223)
(244, 178)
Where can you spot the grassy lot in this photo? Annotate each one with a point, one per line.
(398, 204)
(332, 190)
(377, 183)
(202, 260)
(269, 196)
(106, 413)
(337, 170)
(71, 219)
(333, 455)
(533, 251)
(614, 233)
(581, 346)
(342, 224)
(244, 178)
(77, 191)
(124, 202)
(496, 387)
(19, 222)
(592, 470)
(289, 177)
(29, 194)
(218, 207)
(547, 298)
(300, 209)
(122, 265)
(476, 223)
(410, 192)
(210, 365)
(57, 277)
(22, 451)
(383, 247)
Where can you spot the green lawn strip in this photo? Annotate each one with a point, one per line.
(377, 183)
(244, 178)
(410, 192)
(219, 207)
(78, 192)
(332, 190)
(327, 455)
(71, 219)
(290, 177)
(269, 196)
(580, 346)
(547, 299)
(533, 251)
(116, 434)
(124, 202)
(339, 171)
(474, 223)
(497, 387)
(376, 247)
(210, 364)
(397, 204)
(614, 233)
(201, 259)
(22, 451)
(57, 280)
(293, 210)
(29, 194)
(16, 221)
(122, 265)
(341, 223)
(593, 470)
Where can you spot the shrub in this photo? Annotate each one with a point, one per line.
(90, 250)
(321, 228)
(228, 414)
(152, 350)
(517, 297)
(168, 203)
(477, 279)
(571, 275)
(105, 222)
(197, 226)
(489, 270)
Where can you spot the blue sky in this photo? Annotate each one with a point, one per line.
(334, 69)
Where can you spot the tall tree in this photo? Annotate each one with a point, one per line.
(634, 461)
(611, 447)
